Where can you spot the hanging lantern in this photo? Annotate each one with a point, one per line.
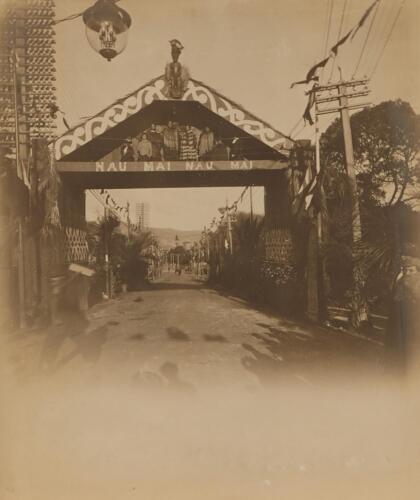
(107, 28)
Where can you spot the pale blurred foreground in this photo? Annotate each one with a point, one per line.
(82, 436)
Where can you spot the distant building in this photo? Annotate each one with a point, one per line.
(187, 245)
(142, 216)
(27, 55)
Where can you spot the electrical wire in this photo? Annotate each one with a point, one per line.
(330, 10)
(387, 39)
(327, 39)
(296, 126)
(339, 35)
(299, 131)
(104, 204)
(366, 39)
(379, 34)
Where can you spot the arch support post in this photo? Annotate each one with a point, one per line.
(281, 273)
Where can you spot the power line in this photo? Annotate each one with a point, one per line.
(296, 126)
(300, 131)
(339, 35)
(379, 32)
(367, 38)
(330, 10)
(387, 39)
(327, 39)
(104, 204)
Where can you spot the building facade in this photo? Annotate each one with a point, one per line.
(27, 115)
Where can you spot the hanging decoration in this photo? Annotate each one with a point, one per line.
(313, 73)
(107, 28)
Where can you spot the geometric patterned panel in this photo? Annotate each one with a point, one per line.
(77, 249)
(196, 91)
(278, 245)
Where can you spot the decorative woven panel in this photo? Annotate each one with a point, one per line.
(77, 249)
(278, 245)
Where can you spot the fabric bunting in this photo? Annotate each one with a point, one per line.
(313, 72)
(307, 113)
(364, 17)
(334, 50)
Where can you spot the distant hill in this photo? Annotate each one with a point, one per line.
(166, 236)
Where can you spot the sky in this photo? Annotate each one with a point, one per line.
(249, 50)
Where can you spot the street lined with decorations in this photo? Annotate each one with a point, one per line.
(196, 297)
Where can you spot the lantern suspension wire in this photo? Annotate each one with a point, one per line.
(343, 13)
(74, 16)
(367, 38)
(387, 39)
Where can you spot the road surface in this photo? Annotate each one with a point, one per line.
(180, 391)
(208, 338)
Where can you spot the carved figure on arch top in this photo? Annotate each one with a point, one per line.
(176, 75)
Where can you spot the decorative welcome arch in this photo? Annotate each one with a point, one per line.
(196, 91)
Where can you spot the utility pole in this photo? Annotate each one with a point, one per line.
(229, 227)
(107, 276)
(21, 153)
(251, 204)
(206, 243)
(128, 221)
(341, 93)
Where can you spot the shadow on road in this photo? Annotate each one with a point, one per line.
(182, 285)
(214, 338)
(176, 334)
(289, 352)
(167, 379)
(137, 336)
(88, 345)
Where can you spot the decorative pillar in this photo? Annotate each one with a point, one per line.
(280, 264)
(72, 205)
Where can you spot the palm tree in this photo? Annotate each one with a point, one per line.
(247, 234)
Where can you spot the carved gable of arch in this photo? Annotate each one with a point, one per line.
(197, 91)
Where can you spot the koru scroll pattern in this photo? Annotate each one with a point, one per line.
(77, 249)
(196, 91)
